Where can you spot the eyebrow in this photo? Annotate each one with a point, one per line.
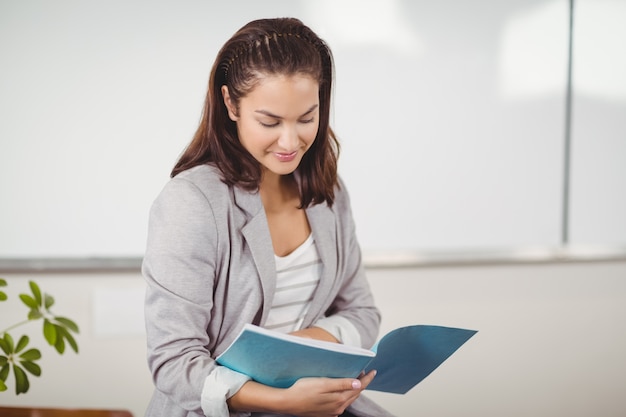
(274, 116)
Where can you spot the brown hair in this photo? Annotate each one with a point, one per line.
(281, 46)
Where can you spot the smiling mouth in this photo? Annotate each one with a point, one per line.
(285, 157)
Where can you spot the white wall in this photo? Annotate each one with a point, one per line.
(451, 116)
(551, 340)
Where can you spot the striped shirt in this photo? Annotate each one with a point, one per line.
(297, 276)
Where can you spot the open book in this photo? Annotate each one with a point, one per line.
(402, 358)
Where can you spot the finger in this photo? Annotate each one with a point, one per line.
(358, 383)
(366, 379)
(344, 384)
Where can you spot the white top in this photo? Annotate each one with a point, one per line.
(297, 276)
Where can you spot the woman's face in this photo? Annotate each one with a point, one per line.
(278, 120)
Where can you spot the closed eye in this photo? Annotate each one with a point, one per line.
(269, 124)
(275, 124)
(278, 119)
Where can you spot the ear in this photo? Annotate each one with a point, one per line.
(232, 113)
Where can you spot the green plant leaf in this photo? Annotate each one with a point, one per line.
(49, 332)
(3, 360)
(5, 346)
(68, 323)
(29, 301)
(60, 345)
(4, 372)
(3, 295)
(31, 367)
(31, 355)
(48, 301)
(34, 314)
(9, 344)
(36, 292)
(21, 344)
(62, 331)
(3, 386)
(21, 380)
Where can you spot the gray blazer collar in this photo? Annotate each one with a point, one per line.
(324, 230)
(257, 235)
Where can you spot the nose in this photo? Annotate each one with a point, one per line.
(288, 140)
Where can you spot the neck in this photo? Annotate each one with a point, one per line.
(278, 190)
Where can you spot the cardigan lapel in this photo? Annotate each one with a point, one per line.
(257, 235)
(323, 227)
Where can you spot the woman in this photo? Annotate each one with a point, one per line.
(256, 227)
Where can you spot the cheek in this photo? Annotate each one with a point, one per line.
(309, 132)
(252, 135)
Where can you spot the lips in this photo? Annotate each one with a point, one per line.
(285, 157)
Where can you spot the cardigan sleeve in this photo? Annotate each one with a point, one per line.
(354, 301)
(179, 270)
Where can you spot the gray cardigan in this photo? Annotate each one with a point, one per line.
(209, 267)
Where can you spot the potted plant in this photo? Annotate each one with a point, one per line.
(15, 354)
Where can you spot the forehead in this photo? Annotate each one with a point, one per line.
(283, 92)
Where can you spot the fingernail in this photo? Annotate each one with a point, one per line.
(356, 384)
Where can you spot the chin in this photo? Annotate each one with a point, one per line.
(284, 171)
(283, 168)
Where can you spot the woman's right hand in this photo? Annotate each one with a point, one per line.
(308, 397)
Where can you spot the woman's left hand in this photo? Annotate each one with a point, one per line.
(315, 333)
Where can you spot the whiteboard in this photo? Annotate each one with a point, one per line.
(451, 119)
(598, 198)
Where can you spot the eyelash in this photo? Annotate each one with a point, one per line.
(311, 120)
